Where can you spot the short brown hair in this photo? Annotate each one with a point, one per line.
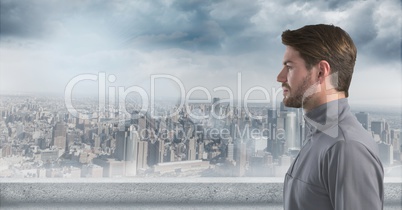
(325, 42)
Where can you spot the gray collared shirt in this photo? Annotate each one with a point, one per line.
(338, 167)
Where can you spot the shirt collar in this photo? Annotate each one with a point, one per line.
(326, 117)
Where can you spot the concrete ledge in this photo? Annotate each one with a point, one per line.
(255, 191)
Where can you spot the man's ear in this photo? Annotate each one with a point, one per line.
(324, 70)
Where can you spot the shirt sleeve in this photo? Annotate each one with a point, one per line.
(353, 177)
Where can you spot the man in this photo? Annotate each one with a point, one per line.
(338, 166)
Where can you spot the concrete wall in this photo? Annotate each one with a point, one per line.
(156, 191)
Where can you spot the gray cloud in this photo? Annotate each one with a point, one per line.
(193, 25)
(210, 26)
(20, 20)
(190, 39)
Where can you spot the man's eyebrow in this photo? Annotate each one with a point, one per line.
(286, 62)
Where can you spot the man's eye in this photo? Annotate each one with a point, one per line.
(289, 68)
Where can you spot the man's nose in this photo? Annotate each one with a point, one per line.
(282, 77)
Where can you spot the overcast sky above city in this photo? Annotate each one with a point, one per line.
(44, 44)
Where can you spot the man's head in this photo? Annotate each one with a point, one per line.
(317, 47)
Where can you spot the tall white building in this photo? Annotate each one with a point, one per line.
(291, 134)
(132, 152)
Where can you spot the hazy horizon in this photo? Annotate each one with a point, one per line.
(356, 106)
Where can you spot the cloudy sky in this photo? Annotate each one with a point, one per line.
(45, 44)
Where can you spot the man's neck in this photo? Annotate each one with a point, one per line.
(323, 99)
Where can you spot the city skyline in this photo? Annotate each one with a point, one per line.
(40, 138)
(45, 44)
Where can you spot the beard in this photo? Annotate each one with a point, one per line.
(298, 96)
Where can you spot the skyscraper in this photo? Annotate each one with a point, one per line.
(241, 158)
(200, 151)
(142, 155)
(292, 141)
(142, 127)
(121, 144)
(215, 113)
(126, 149)
(170, 154)
(364, 119)
(280, 138)
(59, 137)
(215, 106)
(191, 149)
(156, 151)
(386, 153)
(378, 127)
(97, 141)
(385, 136)
(161, 150)
(230, 156)
(131, 152)
(272, 130)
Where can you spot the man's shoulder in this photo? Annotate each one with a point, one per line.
(352, 132)
(348, 132)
